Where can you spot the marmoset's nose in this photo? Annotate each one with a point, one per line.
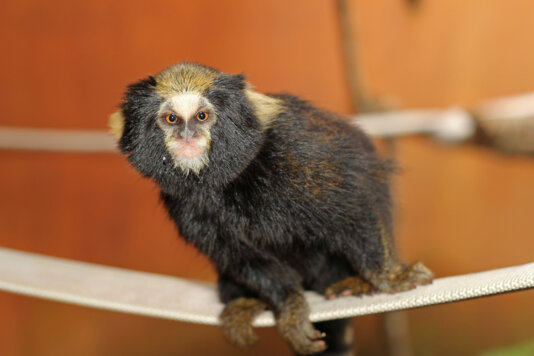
(187, 133)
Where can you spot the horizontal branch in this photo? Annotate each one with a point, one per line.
(175, 298)
(450, 124)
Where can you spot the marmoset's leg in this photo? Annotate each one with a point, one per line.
(389, 275)
(394, 276)
(237, 318)
(397, 278)
(276, 286)
(240, 311)
(294, 324)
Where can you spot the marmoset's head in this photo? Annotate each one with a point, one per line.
(189, 118)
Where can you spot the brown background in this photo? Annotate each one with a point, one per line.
(460, 209)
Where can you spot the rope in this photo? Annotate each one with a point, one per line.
(175, 298)
(450, 124)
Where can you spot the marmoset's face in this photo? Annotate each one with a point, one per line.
(186, 119)
(189, 116)
(185, 115)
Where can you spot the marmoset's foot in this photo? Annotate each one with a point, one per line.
(400, 277)
(354, 285)
(237, 318)
(294, 324)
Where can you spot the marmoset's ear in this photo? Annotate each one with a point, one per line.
(116, 124)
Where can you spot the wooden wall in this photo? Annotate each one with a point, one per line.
(461, 209)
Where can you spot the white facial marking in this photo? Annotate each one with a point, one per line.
(189, 155)
(185, 104)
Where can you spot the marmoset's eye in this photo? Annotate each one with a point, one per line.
(202, 116)
(171, 118)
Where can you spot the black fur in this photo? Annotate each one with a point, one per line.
(297, 205)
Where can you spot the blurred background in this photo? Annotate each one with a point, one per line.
(460, 208)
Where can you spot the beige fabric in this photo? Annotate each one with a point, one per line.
(179, 299)
(56, 140)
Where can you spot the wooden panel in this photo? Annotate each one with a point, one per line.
(65, 65)
(445, 52)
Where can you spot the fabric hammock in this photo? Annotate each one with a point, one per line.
(175, 298)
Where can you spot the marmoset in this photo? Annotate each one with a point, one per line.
(280, 195)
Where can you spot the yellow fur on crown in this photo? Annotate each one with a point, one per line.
(184, 77)
(188, 77)
(116, 124)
